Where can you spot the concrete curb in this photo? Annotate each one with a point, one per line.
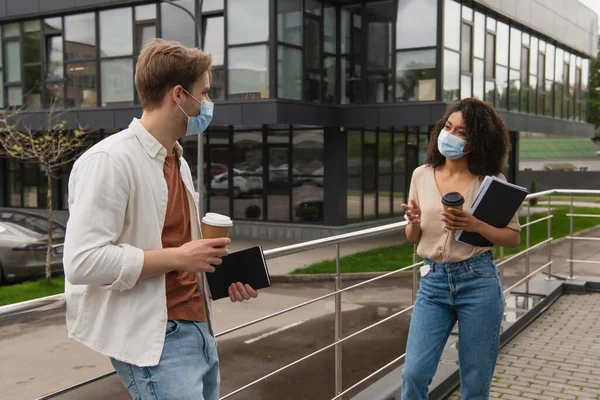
(355, 276)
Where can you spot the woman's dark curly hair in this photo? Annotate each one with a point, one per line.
(487, 138)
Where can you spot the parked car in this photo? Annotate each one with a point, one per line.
(23, 238)
(244, 184)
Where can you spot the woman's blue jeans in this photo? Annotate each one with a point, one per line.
(469, 292)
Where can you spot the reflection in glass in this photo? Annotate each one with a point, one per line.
(308, 175)
(33, 88)
(54, 57)
(312, 34)
(415, 75)
(478, 79)
(354, 191)
(289, 67)
(214, 39)
(370, 175)
(399, 161)
(550, 62)
(248, 72)
(451, 75)
(466, 86)
(13, 61)
(466, 61)
(312, 7)
(239, 30)
(147, 12)
(144, 32)
(501, 87)
(247, 168)
(15, 96)
(11, 30)
(480, 35)
(219, 159)
(55, 93)
(384, 187)
(380, 40)
(212, 5)
(117, 82)
(490, 55)
(80, 36)
(490, 87)
(329, 30)
(312, 86)
(379, 87)
(548, 103)
(514, 88)
(31, 42)
(350, 86)
(558, 79)
(585, 74)
(289, 21)
(502, 39)
(116, 33)
(1, 92)
(177, 25)
(416, 24)
(452, 24)
(329, 80)
(278, 186)
(81, 85)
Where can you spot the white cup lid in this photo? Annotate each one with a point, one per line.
(215, 219)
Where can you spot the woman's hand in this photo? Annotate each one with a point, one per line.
(459, 220)
(413, 212)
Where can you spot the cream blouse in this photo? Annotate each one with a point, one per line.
(435, 244)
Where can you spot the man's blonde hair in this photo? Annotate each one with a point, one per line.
(164, 64)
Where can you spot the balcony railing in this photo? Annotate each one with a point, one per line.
(58, 300)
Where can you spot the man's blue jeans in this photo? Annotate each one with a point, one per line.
(469, 292)
(188, 367)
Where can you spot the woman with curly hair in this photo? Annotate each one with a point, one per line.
(459, 282)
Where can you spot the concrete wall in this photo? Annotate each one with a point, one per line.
(566, 21)
(546, 180)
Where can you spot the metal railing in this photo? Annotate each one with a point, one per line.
(22, 308)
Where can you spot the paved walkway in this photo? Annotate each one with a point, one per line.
(556, 357)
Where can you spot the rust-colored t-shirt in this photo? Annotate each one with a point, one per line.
(184, 300)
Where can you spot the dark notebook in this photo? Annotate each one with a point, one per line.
(246, 266)
(496, 203)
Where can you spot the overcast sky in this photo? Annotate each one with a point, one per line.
(594, 5)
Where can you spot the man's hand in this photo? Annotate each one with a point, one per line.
(240, 292)
(459, 220)
(413, 212)
(199, 255)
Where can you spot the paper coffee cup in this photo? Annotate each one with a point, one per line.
(453, 200)
(216, 226)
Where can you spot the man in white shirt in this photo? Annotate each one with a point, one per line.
(134, 259)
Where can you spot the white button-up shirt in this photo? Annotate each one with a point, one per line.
(117, 203)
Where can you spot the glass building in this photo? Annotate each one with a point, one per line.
(323, 108)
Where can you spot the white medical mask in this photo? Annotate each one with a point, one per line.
(450, 146)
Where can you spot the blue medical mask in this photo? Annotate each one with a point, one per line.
(199, 123)
(450, 146)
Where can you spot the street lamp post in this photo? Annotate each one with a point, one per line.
(200, 146)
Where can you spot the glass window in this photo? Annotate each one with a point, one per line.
(289, 21)
(451, 24)
(416, 24)
(559, 83)
(80, 37)
(466, 86)
(451, 75)
(350, 85)
(148, 12)
(533, 56)
(11, 30)
(329, 80)
(177, 25)
(54, 57)
(467, 13)
(415, 75)
(214, 39)
(480, 36)
(490, 55)
(312, 35)
(249, 72)
(15, 96)
(525, 66)
(212, 5)
(549, 62)
(81, 85)
(399, 161)
(502, 44)
(354, 185)
(384, 186)
(478, 79)
(515, 48)
(329, 29)
(13, 61)
(490, 91)
(466, 61)
(491, 24)
(369, 174)
(501, 87)
(55, 94)
(585, 74)
(247, 169)
(308, 175)
(514, 88)
(289, 67)
(53, 25)
(541, 71)
(33, 87)
(380, 45)
(1, 91)
(379, 87)
(116, 33)
(117, 82)
(144, 32)
(239, 30)
(31, 42)
(312, 7)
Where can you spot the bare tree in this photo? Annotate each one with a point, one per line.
(51, 146)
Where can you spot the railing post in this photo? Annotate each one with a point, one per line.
(572, 244)
(415, 276)
(338, 323)
(527, 243)
(549, 277)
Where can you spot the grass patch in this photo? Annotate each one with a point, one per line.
(18, 292)
(395, 257)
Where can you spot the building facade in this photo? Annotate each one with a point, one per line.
(323, 108)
